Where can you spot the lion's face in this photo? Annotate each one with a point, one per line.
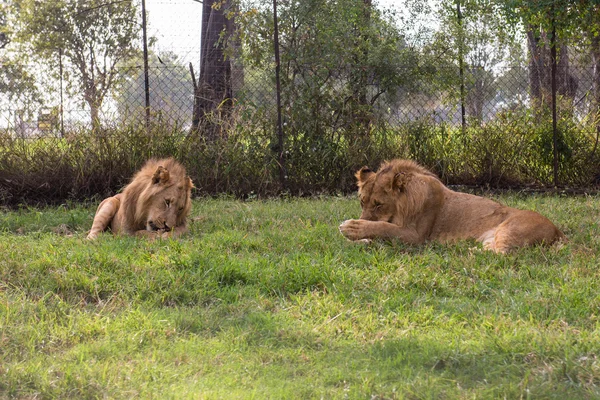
(166, 200)
(167, 208)
(378, 194)
(393, 193)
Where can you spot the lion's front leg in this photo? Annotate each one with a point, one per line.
(358, 229)
(175, 233)
(104, 216)
(161, 233)
(148, 234)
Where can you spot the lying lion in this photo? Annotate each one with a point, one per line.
(155, 203)
(404, 200)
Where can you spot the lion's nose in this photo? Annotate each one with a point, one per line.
(152, 225)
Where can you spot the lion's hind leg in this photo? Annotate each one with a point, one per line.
(104, 215)
(488, 239)
(524, 228)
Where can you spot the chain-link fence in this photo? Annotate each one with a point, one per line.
(339, 99)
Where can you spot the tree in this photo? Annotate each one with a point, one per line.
(339, 59)
(342, 65)
(586, 16)
(93, 36)
(540, 60)
(17, 84)
(472, 42)
(547, 26)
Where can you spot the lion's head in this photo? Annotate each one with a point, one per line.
(158, 197)
(396, 190)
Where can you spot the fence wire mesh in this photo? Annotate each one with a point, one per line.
(431, 108)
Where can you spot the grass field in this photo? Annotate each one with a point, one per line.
(266, 299)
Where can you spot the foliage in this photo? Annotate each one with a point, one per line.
(266, 299)
(357, 89)
(470, 46)
(4, 37)
(17, 85)
(81, 165)
(341, 63)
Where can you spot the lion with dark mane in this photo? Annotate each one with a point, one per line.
(155, 203)
(403, 200)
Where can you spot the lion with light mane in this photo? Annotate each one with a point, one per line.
(155, 203)
(403, 200)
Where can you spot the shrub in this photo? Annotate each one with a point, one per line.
(513, 149)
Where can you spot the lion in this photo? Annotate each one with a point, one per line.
(155, 203)
(403, 200)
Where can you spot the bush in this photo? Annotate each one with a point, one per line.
(513, 149)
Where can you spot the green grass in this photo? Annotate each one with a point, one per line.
(266, 299)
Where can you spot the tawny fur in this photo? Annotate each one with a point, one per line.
(406, 201)
(155, 203)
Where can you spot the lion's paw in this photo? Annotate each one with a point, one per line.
(163, 234)
(351, 229)
(91, 236)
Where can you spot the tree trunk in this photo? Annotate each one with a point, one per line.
(540, 82)
(95, 114)
(213, 94)
(537, 67)
(475, 98)
(92, 100)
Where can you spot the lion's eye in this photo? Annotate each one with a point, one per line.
(168, 203)
(377, 205)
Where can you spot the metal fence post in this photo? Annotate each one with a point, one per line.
(278, 97)
(553, 84)
(146, 77)
(461, 68)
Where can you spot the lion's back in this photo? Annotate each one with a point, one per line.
(464, 216)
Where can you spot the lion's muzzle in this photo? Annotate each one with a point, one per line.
(158, 226)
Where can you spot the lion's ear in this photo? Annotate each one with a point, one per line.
(401, 180)
(363, 174)
(160, 175)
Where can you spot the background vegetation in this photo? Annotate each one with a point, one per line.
(89, 165)
(466, 88)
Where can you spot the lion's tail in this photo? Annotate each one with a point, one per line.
(104, 215)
